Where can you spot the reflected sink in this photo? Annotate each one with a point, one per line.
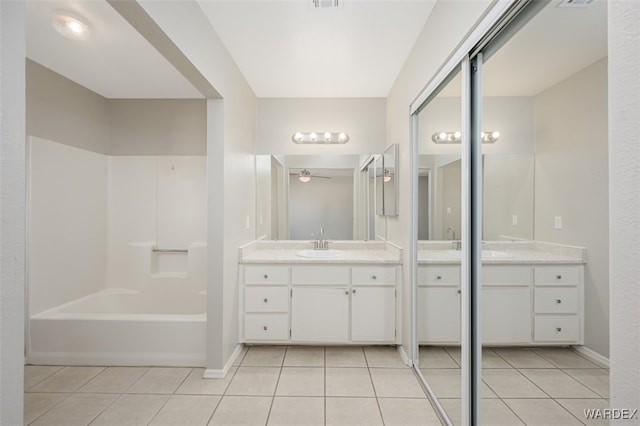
(486, 254)
(320, 254)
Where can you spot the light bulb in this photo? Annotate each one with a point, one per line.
(495, 135)
(298, 136)
(304, 179)
(70, 26)
(327, 136)
(313, 136)
(457, 135)
(442, 136)
(342, 137)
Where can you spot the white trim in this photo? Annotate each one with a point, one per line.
(117, 359)
(480, 30)
(217, 373)
(403, 354)
(592, 356)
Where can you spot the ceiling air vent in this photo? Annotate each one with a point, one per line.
(326, 3)
(575, 3)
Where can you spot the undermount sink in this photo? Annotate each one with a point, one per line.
(320, 254)
(486, 254)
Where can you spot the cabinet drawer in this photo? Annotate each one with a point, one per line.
(374, 275)
(322, 274)
(556, 300)
(266, 327)
(557, 328)
(266, 275)
(557, 275)
(439, 275)
(266, 299)
(506, 275)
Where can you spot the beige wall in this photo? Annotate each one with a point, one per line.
(446, 27)
(158, 127)
(571, 181)
(63, 111)
(624, 207)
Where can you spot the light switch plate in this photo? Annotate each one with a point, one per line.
(557, 222)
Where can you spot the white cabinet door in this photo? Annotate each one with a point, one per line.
(373, 314)
(438, 315)
(320, 314)
(506, 315)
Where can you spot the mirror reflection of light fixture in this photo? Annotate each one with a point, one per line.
(327, 137)
(69, 25)
(456, 137)
(304, 176)
(387, 175)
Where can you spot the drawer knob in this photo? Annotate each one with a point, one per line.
(459, 291)
(558, 329)
(374, 277)
(266, 300)
(354, 291)
(266, 276)
(438, 277)
(264, 328)
(558, 277)
(558, 301)
(346, 292)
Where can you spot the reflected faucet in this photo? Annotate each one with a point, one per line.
(321, 243)
(451, 230)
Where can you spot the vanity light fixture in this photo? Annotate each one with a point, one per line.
(304, 176)
(387, 175)
(70, 26)
(456, 137)
(325, 138)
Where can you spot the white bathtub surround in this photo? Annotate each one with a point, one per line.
(263, 251)
(117, 271)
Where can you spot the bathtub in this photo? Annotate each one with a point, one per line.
(122, 327)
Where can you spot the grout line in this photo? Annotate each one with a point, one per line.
(47, 376)
(50, 408)
(182, 381)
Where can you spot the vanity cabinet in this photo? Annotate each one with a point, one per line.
(521, 304)
(558, 306)
(323, 303)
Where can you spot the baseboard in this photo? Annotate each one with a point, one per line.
(217, 373)
(116, 359)
(592, 355)
(404, 356)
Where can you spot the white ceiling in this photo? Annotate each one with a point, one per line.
(115, 62)
(291, 49)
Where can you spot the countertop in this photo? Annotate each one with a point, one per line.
(520, 252)
(378, 252)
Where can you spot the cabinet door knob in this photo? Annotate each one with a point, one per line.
(459, 291)
(558, 301)
(438, 277)
(346, 292)
(558, 277)
(266, 300)
(264, 328)
(266, 276)
(354, 291)
(374, 277)
(558, 329)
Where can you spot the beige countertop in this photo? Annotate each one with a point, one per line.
(518, 252)
(378, 252)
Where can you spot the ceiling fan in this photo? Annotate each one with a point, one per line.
(305, 175)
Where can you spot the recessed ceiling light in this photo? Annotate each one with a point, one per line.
(70, 26)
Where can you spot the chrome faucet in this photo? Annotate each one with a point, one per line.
(321, 243)
(451, 230)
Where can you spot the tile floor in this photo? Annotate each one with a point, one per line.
(532, 386)
(267, 386)
(276, 385)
